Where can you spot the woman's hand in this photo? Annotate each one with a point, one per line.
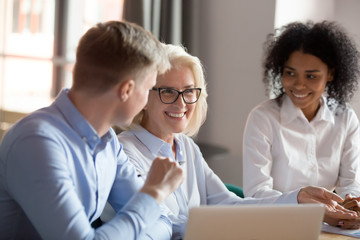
(335, 214)
(351, 203)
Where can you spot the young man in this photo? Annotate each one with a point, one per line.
(61, 164)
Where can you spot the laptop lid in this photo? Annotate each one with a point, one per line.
(255, 222)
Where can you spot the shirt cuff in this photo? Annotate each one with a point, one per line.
(145, 205)
(289, 197)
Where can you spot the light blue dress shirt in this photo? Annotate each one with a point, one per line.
(201, 185)
(56, 174)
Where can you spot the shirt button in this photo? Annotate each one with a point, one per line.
(84, 139)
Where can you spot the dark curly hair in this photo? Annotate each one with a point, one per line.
(325, 40)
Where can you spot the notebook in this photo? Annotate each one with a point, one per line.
(255, 222)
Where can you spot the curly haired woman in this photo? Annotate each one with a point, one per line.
(308, 134)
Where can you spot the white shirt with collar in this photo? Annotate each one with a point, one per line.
(201, 185)
(282, 151)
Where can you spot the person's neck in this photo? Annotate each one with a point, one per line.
(310, 113)
(157, 131)
(166, 137)
(93, 110)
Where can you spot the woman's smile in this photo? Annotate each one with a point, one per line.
(175, 115)
(300, 95)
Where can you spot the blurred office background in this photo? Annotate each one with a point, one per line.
(38, 39)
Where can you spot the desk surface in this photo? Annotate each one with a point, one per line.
(332, 236)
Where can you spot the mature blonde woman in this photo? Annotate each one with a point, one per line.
(175, 111)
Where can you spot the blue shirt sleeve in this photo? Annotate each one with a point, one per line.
(40, 182)
(126, 180)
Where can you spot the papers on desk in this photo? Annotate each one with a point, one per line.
(352, 233)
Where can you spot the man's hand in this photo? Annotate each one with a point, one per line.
(164, 177)
(335, 214)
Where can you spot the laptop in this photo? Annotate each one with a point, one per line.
(255, 222)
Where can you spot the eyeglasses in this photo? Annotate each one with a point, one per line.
(170, 95)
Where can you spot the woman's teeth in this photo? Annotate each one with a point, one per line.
(176, 115)
(300, 95)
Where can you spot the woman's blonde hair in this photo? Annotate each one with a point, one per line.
(179, 57)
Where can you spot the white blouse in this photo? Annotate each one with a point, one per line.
(282, 151)
(201, 185)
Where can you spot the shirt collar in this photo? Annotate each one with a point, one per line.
(289, 112)
(157, 146)
(78, 123)
(324, 113)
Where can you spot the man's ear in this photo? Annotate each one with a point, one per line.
(126, 88)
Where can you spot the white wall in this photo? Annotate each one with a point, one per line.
(302, 10)
(347, 12)
(230, 35)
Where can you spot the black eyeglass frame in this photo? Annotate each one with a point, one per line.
(179, 92)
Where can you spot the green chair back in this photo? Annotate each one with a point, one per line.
(235, 189)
